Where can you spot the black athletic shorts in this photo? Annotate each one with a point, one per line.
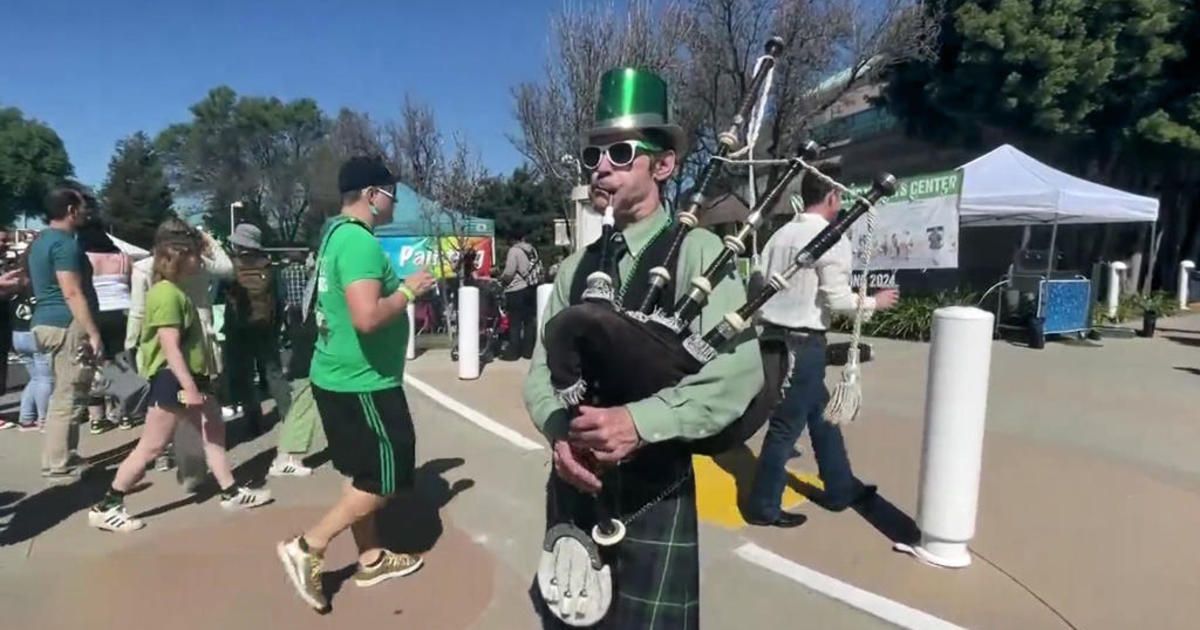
(165, 389)
(371, 438)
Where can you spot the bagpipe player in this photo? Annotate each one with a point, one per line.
(636, 457)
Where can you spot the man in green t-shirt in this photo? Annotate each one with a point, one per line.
(357, 375)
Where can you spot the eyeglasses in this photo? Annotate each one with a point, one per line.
(390, 195)
(619, 153)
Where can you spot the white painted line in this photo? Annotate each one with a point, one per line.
(478, 419)
(866, 601)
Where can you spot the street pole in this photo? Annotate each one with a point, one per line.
(237, 205)
(956, 395)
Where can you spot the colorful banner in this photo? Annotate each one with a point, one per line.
(916, 228)
(410, 254)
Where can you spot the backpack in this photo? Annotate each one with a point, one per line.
(24, 301)
(536, 275)
(308, 308)
(252, 295)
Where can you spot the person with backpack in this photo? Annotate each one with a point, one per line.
(521, 276)
(253, 320)
(300, 424)
(35, 398)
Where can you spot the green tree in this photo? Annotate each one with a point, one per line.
(32, 161)
(136, 197)
(521, 203)
(1107, 89)
(256, 150)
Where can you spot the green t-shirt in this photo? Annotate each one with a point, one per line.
(346, 360)
(169, 307)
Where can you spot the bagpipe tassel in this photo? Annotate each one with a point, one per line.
(847, 396)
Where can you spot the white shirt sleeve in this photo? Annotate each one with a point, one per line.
(833, 272)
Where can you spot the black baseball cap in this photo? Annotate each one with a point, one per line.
(361, 172)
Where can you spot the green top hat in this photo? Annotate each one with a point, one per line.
(634, 99)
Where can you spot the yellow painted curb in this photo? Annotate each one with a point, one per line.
(717, 489)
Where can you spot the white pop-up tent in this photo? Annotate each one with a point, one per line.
(133, 251)
(1007, 187)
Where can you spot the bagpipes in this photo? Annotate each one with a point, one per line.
(603, 355)
(592, 347)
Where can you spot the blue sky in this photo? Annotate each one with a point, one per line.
(99, 71)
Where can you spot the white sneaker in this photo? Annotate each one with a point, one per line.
(246, 499)
(229, 413)
(114, 519)
(288, 467)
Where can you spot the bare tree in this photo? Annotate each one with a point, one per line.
(586, 42)
(414, 145)
(706, 50)
(830, 48)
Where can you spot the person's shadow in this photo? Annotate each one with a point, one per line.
(35, 514)
(412, 522)
(880, 513)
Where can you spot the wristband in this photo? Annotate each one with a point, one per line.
(408, 293)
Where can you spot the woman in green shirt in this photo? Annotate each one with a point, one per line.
(173, 357)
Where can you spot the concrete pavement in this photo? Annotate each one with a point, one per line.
(1089, 501)
(1090, 491)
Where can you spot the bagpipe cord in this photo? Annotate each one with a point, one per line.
(846, 398)
(757, 115)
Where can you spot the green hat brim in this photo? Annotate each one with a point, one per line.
(640, 123)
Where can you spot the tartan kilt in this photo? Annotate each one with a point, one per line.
(656, 568)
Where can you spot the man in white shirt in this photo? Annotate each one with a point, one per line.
(800, 315)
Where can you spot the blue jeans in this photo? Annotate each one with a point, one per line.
(35, 399)
(803, 405)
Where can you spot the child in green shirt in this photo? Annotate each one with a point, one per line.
(173, 357)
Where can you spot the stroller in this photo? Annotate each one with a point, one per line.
(493, 321)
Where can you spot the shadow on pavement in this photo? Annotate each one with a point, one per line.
(318, 459)
(740, 463)
(39, 512)
(1178, 330)
(410, 523)
(1193, 370)
(251, 472)
(889, 520)
(1187, 341)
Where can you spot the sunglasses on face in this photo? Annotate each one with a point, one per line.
(619, 153)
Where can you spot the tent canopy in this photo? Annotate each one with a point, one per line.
(129, 249)
(1007, 187)
(417, 215)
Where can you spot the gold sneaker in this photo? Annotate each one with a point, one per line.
(304, 570)
(392, 565)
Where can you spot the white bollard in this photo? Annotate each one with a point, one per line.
(411, 353)
(543, 298)
(956, 393)
(1114, 287)
(468, 333)
(1185, 273)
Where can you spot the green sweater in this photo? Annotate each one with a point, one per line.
(701, 404)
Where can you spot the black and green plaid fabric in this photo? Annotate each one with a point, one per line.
(656, 568)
